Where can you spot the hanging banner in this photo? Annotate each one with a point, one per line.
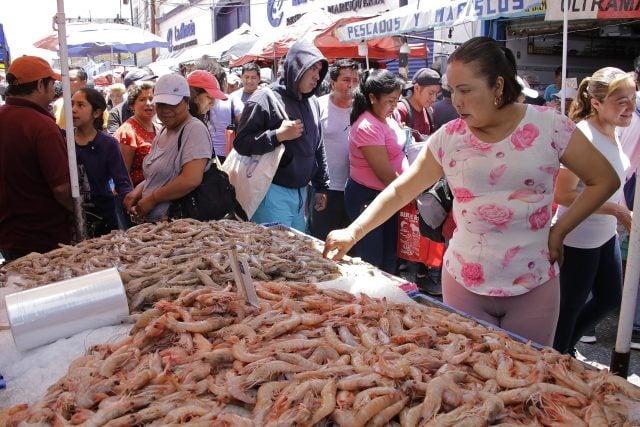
(439, 13)
(5, 56)
(593, 9)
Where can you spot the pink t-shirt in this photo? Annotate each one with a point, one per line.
(503, 194)
(369, 131)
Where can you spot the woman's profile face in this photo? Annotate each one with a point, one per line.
(204, 102)
(383, 106)
(471, 95)
(618, 107)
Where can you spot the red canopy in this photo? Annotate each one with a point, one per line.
(320, 26)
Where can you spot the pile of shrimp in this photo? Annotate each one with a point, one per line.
(308, 357)
(160, 260)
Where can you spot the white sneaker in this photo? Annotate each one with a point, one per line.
(588, 339)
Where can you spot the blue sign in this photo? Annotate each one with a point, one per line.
(184, 31)
(4, 47)
(275, 12)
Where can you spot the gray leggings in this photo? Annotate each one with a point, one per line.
(532, 315)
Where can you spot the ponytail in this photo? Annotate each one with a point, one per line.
(376, 82)
(580, 107)
(361, 102)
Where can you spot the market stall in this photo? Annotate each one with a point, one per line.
(351, 349)
(320, 27)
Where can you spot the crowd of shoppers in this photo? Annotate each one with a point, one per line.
(344, 168)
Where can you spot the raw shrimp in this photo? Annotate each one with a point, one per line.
(358, 419)
(328, 396)
(595, 416)
(284, 326)
(335, 342)
(571, 380)
(271, 369)
(383, 417)
(503, 373)
(264, 399)
(201, 326)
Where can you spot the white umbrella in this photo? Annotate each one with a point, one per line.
(236, 43)
(91, 39)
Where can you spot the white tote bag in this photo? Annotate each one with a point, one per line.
(252, 175)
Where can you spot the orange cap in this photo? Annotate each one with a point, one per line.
(27, 69)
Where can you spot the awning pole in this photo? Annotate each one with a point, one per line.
(78, 212)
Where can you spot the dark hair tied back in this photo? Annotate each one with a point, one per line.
(376, 83)
(490, 61)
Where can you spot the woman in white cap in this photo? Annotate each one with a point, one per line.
(179, 154)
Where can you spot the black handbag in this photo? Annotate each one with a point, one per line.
(433, 207)
(214, 198)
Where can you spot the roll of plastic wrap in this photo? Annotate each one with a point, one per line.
(42, 315)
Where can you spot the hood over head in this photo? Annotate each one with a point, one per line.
(300, 57)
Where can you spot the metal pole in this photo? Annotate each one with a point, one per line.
(565, 31)
(153, 28)
(78, 212)
(620, 356)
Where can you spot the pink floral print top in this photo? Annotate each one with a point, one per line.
(503, 194)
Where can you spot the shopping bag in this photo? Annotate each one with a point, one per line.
(412, 246)
(229, 136)
(251, 176)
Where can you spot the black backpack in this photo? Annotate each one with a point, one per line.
(409, 122)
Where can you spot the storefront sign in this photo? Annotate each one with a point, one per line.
(180, 34)
(594, 9)
(440, 13)
(281, 11)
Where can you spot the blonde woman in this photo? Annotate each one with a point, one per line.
(592, 261)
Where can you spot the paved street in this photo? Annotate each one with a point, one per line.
(597, 354)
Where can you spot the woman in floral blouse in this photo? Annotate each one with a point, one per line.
(500, 158)
(137, 133)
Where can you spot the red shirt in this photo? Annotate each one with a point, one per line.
(133, 134)
(33, 160)
(420, 127)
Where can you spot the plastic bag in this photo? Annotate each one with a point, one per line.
(251, 176)
(412, 246)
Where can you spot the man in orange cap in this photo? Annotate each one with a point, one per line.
(35, 195)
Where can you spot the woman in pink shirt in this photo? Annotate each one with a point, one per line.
(376, 158)
(500, 159)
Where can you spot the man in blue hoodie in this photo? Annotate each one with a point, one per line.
(262, 128)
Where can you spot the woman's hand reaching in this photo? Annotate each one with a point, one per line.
(341, 241)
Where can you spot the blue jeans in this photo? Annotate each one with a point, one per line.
(333, 217)
(283, 205)
(379, 247)
(597, 270)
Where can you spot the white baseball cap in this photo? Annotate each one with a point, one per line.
(170, 89)
(526, 90)
(571, 93)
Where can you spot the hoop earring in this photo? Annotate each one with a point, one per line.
(497, 101)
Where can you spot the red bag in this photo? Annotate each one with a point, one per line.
(412, 246)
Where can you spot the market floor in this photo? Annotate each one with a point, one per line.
(597, 354)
